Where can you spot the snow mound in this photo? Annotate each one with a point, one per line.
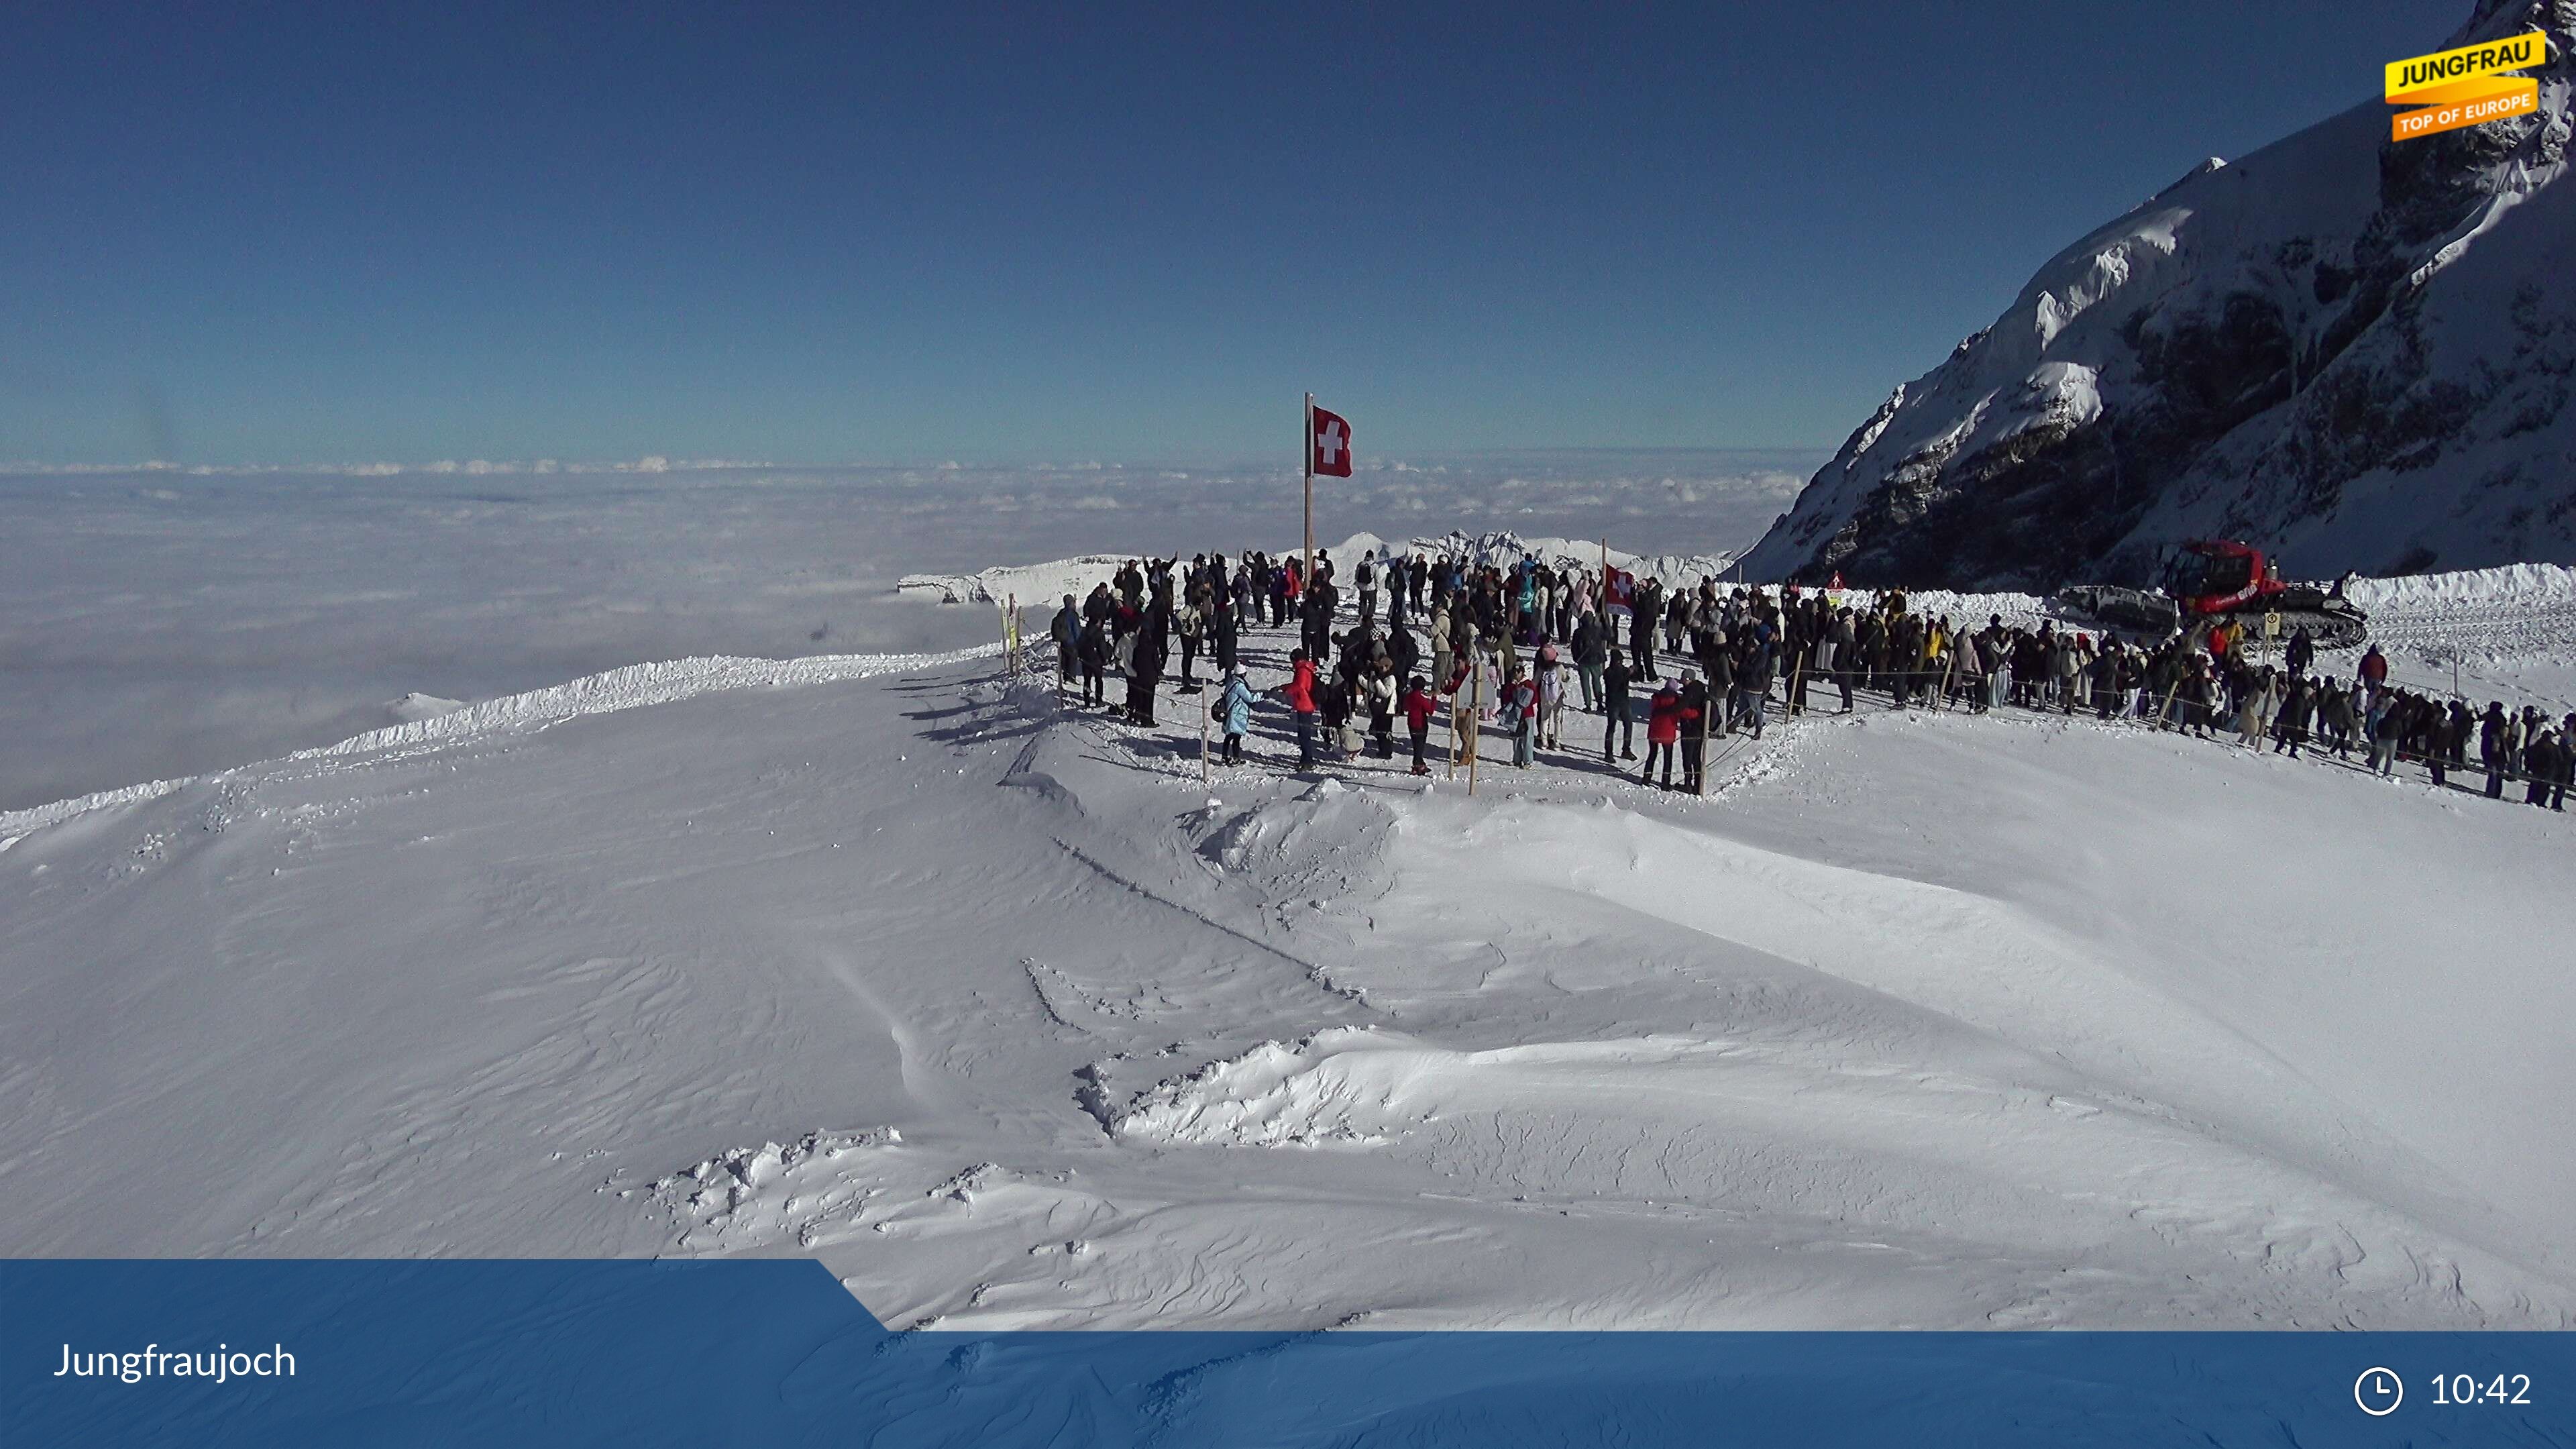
(749, 1196)
(1337, 1086)
(1033, 585)
(416, 706)
(1358, 1086)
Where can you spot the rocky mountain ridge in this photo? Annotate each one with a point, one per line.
(2354, 352)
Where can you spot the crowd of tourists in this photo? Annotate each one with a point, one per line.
(1413, 638)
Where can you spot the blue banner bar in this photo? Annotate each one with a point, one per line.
(776, 1353)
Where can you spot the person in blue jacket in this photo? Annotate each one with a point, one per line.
(1234, 709)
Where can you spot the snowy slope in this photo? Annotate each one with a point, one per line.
(1011, 1021)
(2355, 352)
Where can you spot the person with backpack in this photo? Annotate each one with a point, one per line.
(1189, 622)
(1067, 633)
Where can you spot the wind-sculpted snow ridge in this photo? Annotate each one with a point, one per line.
(1505, 548)
(2499, 591)
(1338, 1086)
(2353, 351)
(633, 687)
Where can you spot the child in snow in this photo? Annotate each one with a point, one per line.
(1234, 708)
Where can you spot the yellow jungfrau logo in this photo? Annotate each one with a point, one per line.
(2465, 87)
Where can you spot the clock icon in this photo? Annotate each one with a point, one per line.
(2378, 1392)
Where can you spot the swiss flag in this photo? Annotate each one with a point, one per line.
(1619, 589)
(1329, 436)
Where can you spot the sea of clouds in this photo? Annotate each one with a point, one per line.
(161, 621)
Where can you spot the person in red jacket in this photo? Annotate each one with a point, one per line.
(1665, 717)
(1299, 691)
(1419, 704)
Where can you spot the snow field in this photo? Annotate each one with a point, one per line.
(1000, 1012)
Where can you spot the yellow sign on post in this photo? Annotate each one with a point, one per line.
(2453, 89)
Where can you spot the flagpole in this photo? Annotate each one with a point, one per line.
(1306, 446)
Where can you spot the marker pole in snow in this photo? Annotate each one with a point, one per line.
(1475, 725)
(1306, 450)
(1602, 593)
(1707, 704)
(1453, 735)
(1204, 770)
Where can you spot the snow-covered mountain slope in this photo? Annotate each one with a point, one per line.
(2356, 352)
(1008, 1018)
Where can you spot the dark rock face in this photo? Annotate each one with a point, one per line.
(2354, 351)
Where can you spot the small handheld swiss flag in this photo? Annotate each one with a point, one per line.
(1329, 439)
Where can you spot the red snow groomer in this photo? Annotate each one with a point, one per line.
(2213, 579)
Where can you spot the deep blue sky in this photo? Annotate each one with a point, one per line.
(248, 233)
